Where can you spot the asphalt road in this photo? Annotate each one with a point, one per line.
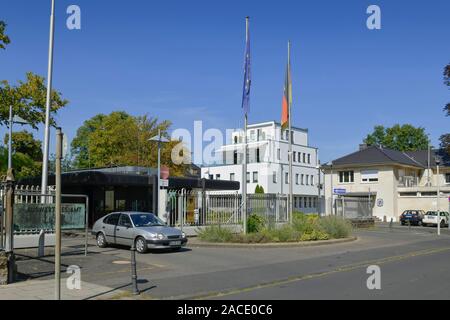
(415, 264)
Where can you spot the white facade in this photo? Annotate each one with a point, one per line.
(268, 164)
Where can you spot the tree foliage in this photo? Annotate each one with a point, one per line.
(22, 163)
(401, 138)
(24, 142)
(4, 39)
(119, 139)
(28, 99)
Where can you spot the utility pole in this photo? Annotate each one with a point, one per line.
(48, 102)
(59, 143)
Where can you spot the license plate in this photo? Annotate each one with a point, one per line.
(175, 243)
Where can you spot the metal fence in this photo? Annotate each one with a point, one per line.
(195, 208)
(354, 208)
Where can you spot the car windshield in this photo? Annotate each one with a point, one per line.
(146, 220)
(431, 213)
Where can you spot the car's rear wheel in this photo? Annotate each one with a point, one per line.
(424, 225)
(101, 240)
(442, 224)
(141, 245)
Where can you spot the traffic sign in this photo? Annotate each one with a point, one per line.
(340, 191)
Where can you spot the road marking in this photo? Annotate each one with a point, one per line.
(342, 269)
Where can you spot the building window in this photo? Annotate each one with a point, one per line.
(292, 136)
(211, 177)
(310, 203)
(346, 177)
(279, 154)
(232, 177)
(304, 158)
(286, 177)
(307, 180)
(312, 180)
(303, 180)
(297, 179)
(287, 135)
(305, 202)
(300, 202)
(275, 177)
(248, 177)
(217, 176)
(252, 135)
(447, 178)
(309, 158)
(368, 176)
(258, 155)
(255, 177)
(294, 159)
(236, 140)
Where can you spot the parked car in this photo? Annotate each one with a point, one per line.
(413, 217)
(145, 230)
(431, 219)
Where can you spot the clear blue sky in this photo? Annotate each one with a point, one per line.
(183, 61)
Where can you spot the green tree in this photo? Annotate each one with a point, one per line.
(259, 189)
(24, 142)
(119, 139)
(28, 99)
(4, 39)
(24, 166)
(401, 138)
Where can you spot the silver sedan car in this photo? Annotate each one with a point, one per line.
(145, 230)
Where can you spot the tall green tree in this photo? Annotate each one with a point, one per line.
(24, 166)
(119, 139)
(401, 138)
(4, 39)
(24, 142)
(28, 99)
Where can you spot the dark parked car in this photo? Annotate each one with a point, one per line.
(413, 217)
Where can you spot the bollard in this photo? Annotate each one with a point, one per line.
(134, 272)
(41, 246)
(409, 225)
(391, 224)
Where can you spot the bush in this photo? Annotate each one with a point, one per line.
(255, 223)
(215, 234)
(335, 227)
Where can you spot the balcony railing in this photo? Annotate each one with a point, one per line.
(408, 182)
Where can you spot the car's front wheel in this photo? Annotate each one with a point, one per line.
(141, 245)
(101, 240)
(424, 225)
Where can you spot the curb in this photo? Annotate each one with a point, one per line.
(271, 245)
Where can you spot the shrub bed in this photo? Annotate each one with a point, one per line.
(303, 228)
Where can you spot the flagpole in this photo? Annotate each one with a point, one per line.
(244, 170)
(291, 180)
(48, 102)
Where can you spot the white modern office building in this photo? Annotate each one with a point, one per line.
(268, 164)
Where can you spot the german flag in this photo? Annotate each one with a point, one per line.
(287, 97)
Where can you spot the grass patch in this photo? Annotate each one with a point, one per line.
(304, 228)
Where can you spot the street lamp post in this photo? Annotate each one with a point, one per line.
(160, 140)
(12, 119)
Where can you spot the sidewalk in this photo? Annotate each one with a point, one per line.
(45, 290)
